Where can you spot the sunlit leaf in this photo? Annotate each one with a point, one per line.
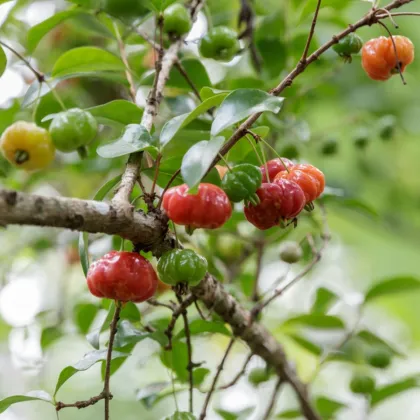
(391, 390)
(118, 111)
(31, 396)
(392, 286)
(324, 299)
(320, 321)
(3, 61)
(200, 326)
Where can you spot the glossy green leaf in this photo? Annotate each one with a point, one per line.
(198, 160)
(127, 335)
(83, 315)
(31, 396)
(391, 390)
(3, 61)
(172, 127)
(320, 321)
(135, 138)
(200, 326)
(207, 92)
(177, 360)
(181, 415)
(84, 236)
(84, 364)
(324, 299)
(242, 103)
(86, 59)
(118, 111)
(392, 286)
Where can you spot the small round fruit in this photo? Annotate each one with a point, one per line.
(349, 45)
(379, 59)
(290, 252)
(273, 167)
(229, 247)
(379, 358)
(362, 384)
(125, 8)
(210, 208)
(330, 147)
(258, 376)
(27, 146)
(176, 20)
(308, 177)
(220, 43)
(73, 129)
(182, 266)
(241, 182)
(387, 125)
(122, 276)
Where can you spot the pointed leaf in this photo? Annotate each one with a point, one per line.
(127, 335)
(316, 321)
(237, 415)
(200, 326)
(328, 408)
(384, 393)
(181, 415)
(3, 61)
(135, 138)
(93, 336)
(150, 393)
(84, 364)
(241, 103)
(86, 59)
(392, 286)
(171, 128)
(118, 111)
(289, 414)
(177, 360)
(83, 315)
(306, 344)
(31, 396)
(373, 340)
(198, 160)
(325, 298)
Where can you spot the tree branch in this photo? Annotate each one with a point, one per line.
(311, 33)
(273, 399)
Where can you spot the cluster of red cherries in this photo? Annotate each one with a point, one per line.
(285, 191)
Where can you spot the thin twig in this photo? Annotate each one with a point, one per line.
(190, 366)
(235, 380)
(273, 399)
(157, 163)
(311, 33)
(260, 252)
(200, 312)
(155, 302)
(171, 180)
(215, 379)
(82, 404)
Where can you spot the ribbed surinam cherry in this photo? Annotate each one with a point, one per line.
(123, 276)
(209, 208)
(379, 58)
(310, 179)
(279, 201)
(273, 167)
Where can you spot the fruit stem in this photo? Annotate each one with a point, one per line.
(82, 151)
(255, 150)
(254, 199)
(225, 162)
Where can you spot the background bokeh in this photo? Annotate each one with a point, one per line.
(372, 203)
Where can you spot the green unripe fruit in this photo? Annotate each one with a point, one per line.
(380, 359)
(125, 8)
(387, 125)
(241, 182)
(182, 266)
(330, 147)
(258, 376)
(362, 384)
(229, 247)
(72, 129)
(349, 45)
(220, 43)
(176, 20)
(290, 252)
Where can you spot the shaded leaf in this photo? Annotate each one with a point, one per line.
(199, 374)
(181, 415)
(177, 360)
(49, 335)
(135, 138)
(93, 336)
(149, 394)
(328, 408)
(373, 340)
(3, 61)
(84, 364)
(118, 111)
(130, 312)
(200, 326)
(31, 396)
(235, 415)
(315, 321)
(128, 335)
(324, 299)
(86, 59)
(391, 390)
(392, 286)
(198, 160)
(306, 344)
(242, 103)
(84, 314)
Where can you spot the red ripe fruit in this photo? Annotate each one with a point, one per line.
(123, 276)
(309, 178)
(275, 166)
(278, 201)
(210, 208)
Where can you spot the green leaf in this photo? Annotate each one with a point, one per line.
(207, 92)
(49, 335)
(242, 103)
(237, 415)
(171, 128)
(135, 138)
(391, 390)
(93, 336)
(392, 286)
(118, 111)
(306, 344)
(324, 299)
(86, 59)
(373, 340)
(130, 312)
(198, 160)
(199, 374)
(84, 236)
(181, 415)
(310, 7)
(31, 396)
(3, 61)
(200, 326)
(127, 335)
(320, 321)
(84, 364)
(84, 314)
(328, 408)
(34, 91)
(149, 394)
(37, 32)
(177, 360)
(289, 414)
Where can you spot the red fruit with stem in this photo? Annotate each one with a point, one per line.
(209, 208)
(310, 179)
(122, 276)
(275, 166)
